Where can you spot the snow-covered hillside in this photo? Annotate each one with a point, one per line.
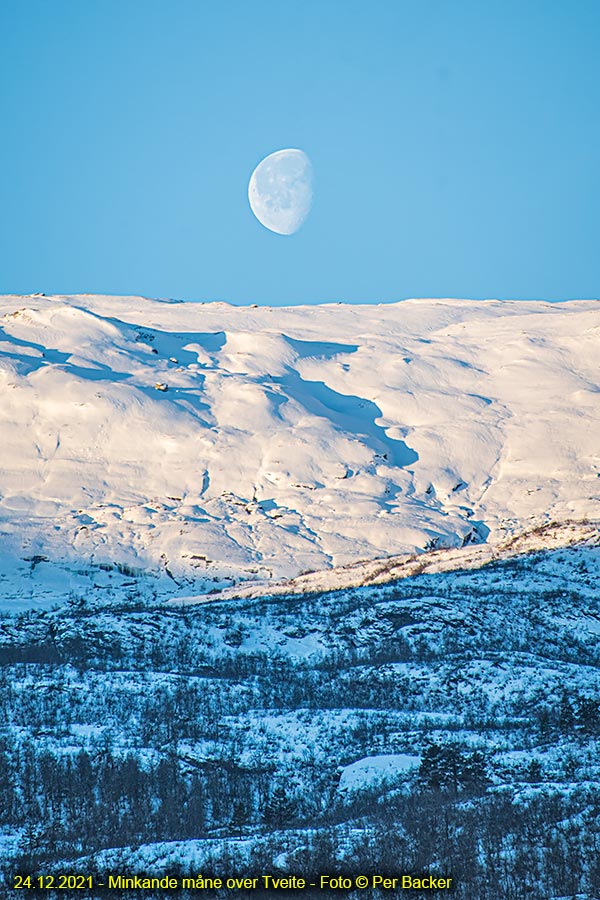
(204, 444)
(448, 723)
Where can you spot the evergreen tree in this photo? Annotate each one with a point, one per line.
(279, 809)
(448, 767)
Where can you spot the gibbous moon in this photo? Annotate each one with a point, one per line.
(280, 190)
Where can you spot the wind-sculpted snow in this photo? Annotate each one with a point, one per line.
(201, 445)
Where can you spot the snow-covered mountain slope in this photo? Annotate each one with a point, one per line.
(544, 538)
(204, 444)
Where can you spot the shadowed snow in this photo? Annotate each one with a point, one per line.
(206, 444)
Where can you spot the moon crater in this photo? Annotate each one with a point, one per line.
(280, 190)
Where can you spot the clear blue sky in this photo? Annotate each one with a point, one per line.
(456, 147)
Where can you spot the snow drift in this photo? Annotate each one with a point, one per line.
(204, 444)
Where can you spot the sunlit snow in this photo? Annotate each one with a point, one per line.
(207, 444)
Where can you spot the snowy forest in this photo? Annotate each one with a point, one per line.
(446, 724)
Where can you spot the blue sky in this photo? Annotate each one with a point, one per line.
(455, 145)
